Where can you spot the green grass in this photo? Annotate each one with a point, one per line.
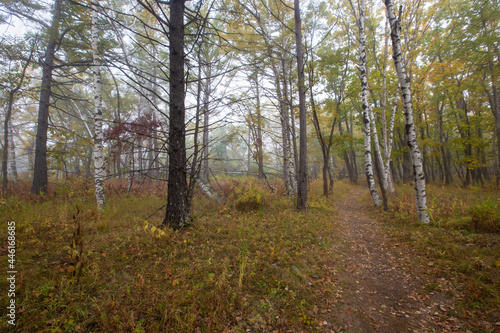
(252, 263)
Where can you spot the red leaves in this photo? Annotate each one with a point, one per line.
(142, 126)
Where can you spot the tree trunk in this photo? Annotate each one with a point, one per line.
(495, 109)
(259, 141)
(206, 129)
(12, 154)
(176, 214)
(40, 176)
(388, 148)
(5, 155)
(445, 154)
(366, 109)
(131, 167)
(290, 131)
(285, 130)
(404, 81)
(98, 136)
(302, 177)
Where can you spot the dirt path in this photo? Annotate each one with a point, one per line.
(382, 288)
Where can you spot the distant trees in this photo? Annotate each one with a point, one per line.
(233, 86)
(12, 84)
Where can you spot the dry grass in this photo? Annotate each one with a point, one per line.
(252, 263)
(462, 242)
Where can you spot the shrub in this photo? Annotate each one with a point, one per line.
(486, 216)
(249, 200)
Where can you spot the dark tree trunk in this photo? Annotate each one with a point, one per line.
(206, 129)
(302, 175)
(445, 154)
(259, 141)
(40, 176)
(176, 215)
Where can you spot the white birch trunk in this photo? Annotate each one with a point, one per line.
(98, 136)
(388, 151)
(378, 153)
(366, 109)
(404, 81)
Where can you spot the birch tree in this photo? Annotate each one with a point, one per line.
(404, 82)
(98, 136)
(366, 105)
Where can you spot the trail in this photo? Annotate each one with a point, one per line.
(383, 289)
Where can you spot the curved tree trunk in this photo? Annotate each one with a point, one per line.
(40, 176)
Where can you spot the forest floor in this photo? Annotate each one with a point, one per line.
(384, 286)
(253, 263)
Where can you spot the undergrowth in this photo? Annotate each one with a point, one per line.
(252, 263)
(462, 244)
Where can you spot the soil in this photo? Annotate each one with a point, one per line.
(382, 289)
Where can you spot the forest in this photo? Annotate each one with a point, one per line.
(250, 166)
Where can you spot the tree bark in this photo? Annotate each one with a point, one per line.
(404, 81)
(290, 135)
(12, 154)
(258, 140)
(366, 108)
(285, 130)
(176, 214)
(302, 176)
(98, 135)
(40, 176)
(5, 156)
(206, 126)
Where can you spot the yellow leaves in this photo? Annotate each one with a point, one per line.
(154, 231)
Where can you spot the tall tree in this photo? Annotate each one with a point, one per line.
(98, 137)
(302, 174)
(176, 215)
(40, 176)
(404, 82)
(367, 112)
(8, 133)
